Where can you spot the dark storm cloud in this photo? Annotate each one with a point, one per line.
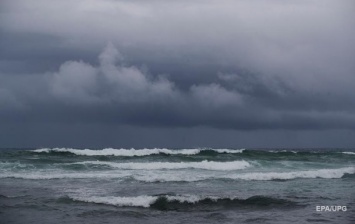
(241, 65)
(115, 92)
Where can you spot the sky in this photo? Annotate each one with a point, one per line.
(181, 74)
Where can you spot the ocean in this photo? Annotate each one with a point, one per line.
(202, 185)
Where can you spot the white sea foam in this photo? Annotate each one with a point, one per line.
(253, 176)
(134, 152)
(349, 153)
(227, 150)
(322, 173)
(141, 201)
(206, 165)
(174, 177)
(190, 198)
(294, 152)
(49, 176)
(183, 175)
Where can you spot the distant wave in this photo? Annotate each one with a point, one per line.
(17, 165)
(349, 153)
(50, 176)
(256, 176)
(134, 152)
(164, 151)
(206, 165)
(13, 196)
(282, 151)
(321, 173)
(169, 202)
(150, 176)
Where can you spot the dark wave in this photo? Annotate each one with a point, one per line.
(194, 152)
(162, 203)
(349, 175)
(189, 202)
(3, 196)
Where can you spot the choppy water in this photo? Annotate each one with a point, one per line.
(176, 185)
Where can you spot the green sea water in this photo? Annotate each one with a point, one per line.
(62, 185)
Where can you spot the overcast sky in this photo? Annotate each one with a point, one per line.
(187, 73)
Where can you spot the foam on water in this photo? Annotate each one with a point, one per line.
(253, 176)
(349, 153)
(166, 176)
(227, 150)
(141, 201)
(183, 202)
(321, 173)
(50, 176)
(206, 165)
(281, 151)
(133, 152)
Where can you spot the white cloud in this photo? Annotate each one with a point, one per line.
(75, 81)
(110, 81)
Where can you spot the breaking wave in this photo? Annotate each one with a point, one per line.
(206, 165)
(255, 176)
(187, 152)
(50, 176)
(134, 152)
(321, 173)
(179, 202)
(186, 176)
(349, 153)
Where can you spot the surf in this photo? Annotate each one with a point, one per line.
(182, 202)
(133, 152)
(205, 165)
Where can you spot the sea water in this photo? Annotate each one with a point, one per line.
(201, 185)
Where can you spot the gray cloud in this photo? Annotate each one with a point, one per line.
(229, 65)
(262, 36)
(113, 91)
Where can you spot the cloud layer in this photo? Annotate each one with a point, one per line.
(226, 65)
(113, 91)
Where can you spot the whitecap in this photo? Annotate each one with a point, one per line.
(252, 176)
(141, 201)
(50, 176)
(206, 165)
(349, 153)
(133, 152)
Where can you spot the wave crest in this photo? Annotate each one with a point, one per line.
(134, 152)
(322, 173)
(178, 202)
(51, 176)
(206, 165)
(348, 153)
(166, 176)
(255, 176)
